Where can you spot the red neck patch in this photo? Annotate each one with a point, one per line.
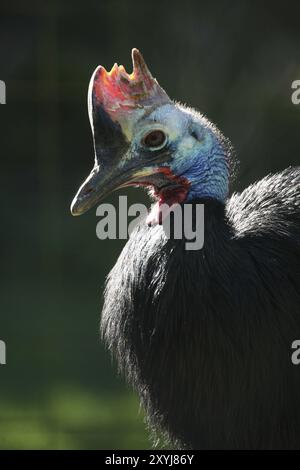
(168, 197)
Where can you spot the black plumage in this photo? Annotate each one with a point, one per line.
(205, 336)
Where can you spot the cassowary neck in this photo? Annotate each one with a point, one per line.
(208, 172)
(209, 182)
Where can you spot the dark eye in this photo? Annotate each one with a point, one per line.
(155, 139)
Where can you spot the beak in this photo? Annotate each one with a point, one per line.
(116, 101)
(97, 185)
(103, 181)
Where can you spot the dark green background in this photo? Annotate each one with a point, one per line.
(235, 61)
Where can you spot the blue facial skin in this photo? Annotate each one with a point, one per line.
(199, 151)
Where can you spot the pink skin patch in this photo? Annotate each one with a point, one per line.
(169, 196)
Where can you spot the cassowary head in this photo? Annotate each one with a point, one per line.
(143, 138)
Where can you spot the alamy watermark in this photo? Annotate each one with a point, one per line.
(179, 222)
(2, 353)
(296, 94)
(2, 92)
(295, 357)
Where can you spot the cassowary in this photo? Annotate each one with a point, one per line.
(204, 336)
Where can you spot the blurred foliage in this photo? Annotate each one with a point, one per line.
(72, 419)
(235, 61)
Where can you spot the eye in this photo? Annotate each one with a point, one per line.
(155, 139)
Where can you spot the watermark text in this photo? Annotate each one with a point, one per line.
(179, 222)
(2, 92)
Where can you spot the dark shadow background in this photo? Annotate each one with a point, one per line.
(235, 61)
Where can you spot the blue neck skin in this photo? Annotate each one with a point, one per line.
(206, 168)
(209, 180)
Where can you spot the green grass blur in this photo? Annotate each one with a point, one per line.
(73, 419)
